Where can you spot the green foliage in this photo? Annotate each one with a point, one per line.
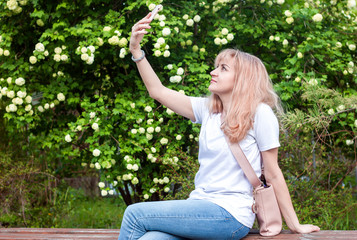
(73, 100)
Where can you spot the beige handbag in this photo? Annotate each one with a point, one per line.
(265, 205)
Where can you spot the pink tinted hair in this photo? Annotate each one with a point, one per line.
(252, 86)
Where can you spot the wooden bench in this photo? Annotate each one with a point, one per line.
(69, 233)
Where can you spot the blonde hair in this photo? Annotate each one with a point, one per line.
(252, 86)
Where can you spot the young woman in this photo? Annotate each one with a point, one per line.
(239, 107)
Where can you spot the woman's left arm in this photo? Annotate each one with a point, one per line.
(274, 176)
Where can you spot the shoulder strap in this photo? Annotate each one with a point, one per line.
(244, 163)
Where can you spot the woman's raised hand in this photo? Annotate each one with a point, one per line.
(137, 33)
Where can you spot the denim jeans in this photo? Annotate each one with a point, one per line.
(179, 220)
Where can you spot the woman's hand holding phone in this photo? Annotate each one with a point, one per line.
(139, 30)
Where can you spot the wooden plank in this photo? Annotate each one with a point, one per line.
(58, 233)
(113, 234)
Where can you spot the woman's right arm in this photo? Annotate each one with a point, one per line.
(174, 100)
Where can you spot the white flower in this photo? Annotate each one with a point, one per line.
(230, 36)
(157, 53)
(135, 167)
(152, 190)
(166, 180)
(91, 48)
(113, 40)
(289, 20)
(300, 55)
(166, 189)
(150, 130)
(21, 94)
(340, 108)
(135, 181)
(10, 94)
(57, 57)
(58, 50)
(161, 17)
(157, 129)
(46, 106)
(28, 108)
(352, 47)
(288, 13)
(197, 18)
(317, 17)
(132, 105)
(61, 97)
(349, 142)
(167, 53)
(185, 17)
(32, 59)
(217, 41)
(148, 109)
(180, 71)
(169, 111)
(356, 123)
(107, 29)
(46, 53)
(6, 53)
(17, 101)
(92, 115)
(285, 42)
(104, 193)
(280, 2)
(111, 192)
(160, 40)
(224, 31)
(129, 166)
(64, 57)
(95, 126)
(164, 141)
(149, 136)
(96, 152)
(12, 108)
(141, 130)
(189, 22)
(1, 51)
(313, 82)
(153, 150)
(12, 4)
(84, 56)
(123, 42)
(40, 109)
(134, 131)
(79, 128)
(40, 47)
(97, 165)
(152, 6)
(166, 31)
(146, 196)
(277, 38)
(68, 138)
(331, 111)
(351, 3)
(178, 137)
(169, 66)
(271, 38)
(338, 44)
(224, 41)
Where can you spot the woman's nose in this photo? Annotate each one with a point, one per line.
(213, 72)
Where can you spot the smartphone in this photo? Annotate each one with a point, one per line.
(155, 11)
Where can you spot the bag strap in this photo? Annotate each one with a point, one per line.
(244, 163)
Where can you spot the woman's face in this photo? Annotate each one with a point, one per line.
(223, 76)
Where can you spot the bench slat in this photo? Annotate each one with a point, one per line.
(112, 234)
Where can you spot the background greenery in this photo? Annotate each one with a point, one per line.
(73, 105)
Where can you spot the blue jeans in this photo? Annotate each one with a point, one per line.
(179, 220)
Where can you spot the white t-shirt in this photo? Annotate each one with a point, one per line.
(219, 178)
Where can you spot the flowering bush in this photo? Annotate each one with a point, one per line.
(68, 83)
